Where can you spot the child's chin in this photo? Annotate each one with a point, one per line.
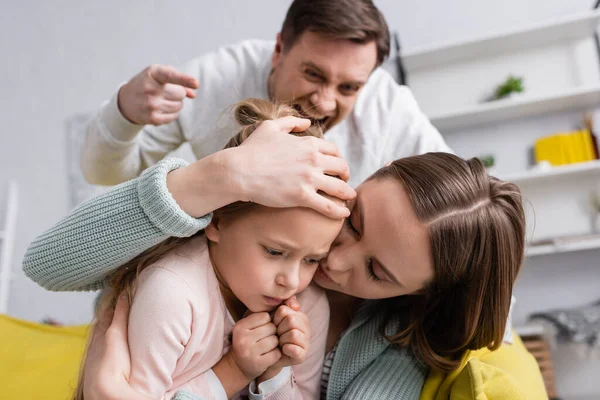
(259, 308)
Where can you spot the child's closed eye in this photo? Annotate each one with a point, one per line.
(314, 261)
(272, 252)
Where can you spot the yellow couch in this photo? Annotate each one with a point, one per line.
(509, 373)
(42, 362)
(39, 361)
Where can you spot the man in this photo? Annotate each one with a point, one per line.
(325, 62)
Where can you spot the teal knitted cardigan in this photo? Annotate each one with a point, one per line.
(106, 231)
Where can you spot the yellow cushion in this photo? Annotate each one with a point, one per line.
(509, 373)
(39, 361)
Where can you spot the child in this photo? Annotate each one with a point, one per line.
(188, 324)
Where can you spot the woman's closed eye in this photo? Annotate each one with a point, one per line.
(369, 263)
(349, 225)
(371, 272)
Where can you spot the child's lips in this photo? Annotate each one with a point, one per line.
(273, 301)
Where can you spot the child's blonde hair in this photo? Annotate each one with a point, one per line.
(249, 114)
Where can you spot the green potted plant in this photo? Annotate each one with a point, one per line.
(511, 86)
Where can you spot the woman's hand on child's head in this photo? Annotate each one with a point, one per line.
(255, 345)
(276, 169)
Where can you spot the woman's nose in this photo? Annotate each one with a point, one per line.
(337, 259)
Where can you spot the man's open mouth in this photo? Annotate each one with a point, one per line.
(320, 122)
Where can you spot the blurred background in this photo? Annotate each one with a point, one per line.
(64, 58)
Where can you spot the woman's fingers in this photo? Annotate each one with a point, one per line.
(289, 124)
(325, 206)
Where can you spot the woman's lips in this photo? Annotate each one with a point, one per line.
(321, 273)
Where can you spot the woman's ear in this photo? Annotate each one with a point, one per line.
(212, 231)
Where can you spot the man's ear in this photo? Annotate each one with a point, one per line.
(212, 231)
(277, 52)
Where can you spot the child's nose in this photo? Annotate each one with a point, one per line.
(290, 279)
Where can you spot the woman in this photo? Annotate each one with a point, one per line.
(432, 238)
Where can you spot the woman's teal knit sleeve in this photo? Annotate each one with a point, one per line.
(104, 232)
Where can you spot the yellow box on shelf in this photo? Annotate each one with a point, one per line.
(565, 148)
(551, 149)
(588, 144)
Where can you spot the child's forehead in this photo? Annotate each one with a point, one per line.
(302, 227)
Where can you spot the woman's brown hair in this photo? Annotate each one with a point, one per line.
(249, 114)
(476, 227)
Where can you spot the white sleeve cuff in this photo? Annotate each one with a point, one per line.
(269, 386)
(159, 205)
(117, 129)
(215, 385)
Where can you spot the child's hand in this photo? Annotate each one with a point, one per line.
(255, 344)
(293, 329)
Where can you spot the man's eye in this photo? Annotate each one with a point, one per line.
(313, 74)
(349, 89)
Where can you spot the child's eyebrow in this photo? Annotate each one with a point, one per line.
(283, 244)
(320, 255)
(291, 247)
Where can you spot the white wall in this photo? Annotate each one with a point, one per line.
(67, 56)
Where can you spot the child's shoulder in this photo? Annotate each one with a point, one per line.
(313, 299)
(187, 266)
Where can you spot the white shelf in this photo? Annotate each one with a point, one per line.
(589, 168)
(567, 28)
(529, 330)
(564, 246)
(519, 107)
(584, 397)
(7, 243)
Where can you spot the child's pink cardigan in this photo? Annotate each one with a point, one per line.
(179, 328)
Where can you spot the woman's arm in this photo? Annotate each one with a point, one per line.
(109, 230)
(270, 168)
